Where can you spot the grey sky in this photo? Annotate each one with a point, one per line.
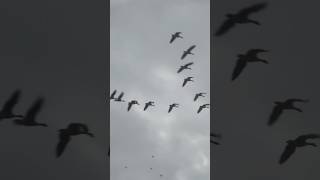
(144, 65)
(251, 149)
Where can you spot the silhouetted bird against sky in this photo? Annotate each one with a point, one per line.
(293, 144)
(30, 118)
(73, 129)
(119, 98)
(113, 94)
(242, 17)
(186, 66)
(7, 108)
(244, 59)
(202, 107)
(187, 80)
(131, 103)
(172, 106)
(198, 95)
(188, 51)
(174, 36)
(280, 106)
(150, 103)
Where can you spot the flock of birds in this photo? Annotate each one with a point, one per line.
(242, 17)
(29, 120)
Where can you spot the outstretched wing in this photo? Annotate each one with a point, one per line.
(184, 82)
(180, 69)
(225, 27)
(276, 112)
(173, 37)
(170, 108)
(252, 9)
(240, 65)
(254, 52)
(296, 100)
(200, 109)
(121, 95)
(214, 142)
(113, 94)
(196, 97)
(215, 135)
(184, 55)
(34, 110)
(64, 139)
(188, 64)
(308, 136)
(289, 150)
(145, 107)
(12, 101)
(191, 48)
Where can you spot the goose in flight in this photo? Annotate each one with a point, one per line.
(241, 17)
(244, 59)
(113, 94)
(131, 103)
(150, 103)
(175, 36)
(7, 108)
(30, 118)
(119, 98)
(298, 142)
(201, 94)
(186, 80)
(202, 107)
(286, 105)
(65, 135)
(188, 51)
(171, 106)
(186, 66)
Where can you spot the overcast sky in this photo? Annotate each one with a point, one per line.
(250, 149)
(144, 65)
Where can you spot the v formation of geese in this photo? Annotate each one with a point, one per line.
(240, 18)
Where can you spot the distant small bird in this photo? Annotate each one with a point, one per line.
(161, 175)
(187, 80)
(119, 98)
(30, 118)
(172, 106)
(201, 94)
(298, 142)
(7, 108)
(126, 167)
(214, 135)
(150, 168)
(202, 107)
(150, 103)
(109, 152)
(175, 35)
(186, 66)
(188, 51)
(244, 59)
(131, 103)
(73, 129)
(242, 17)
(152, 156)
(286, 105)
(113, 94)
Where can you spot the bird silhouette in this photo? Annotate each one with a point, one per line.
(202, 107)
(187, 80)
(175, 35)
(241, 17)
(30, 118)
(188, 51)
(286, 105)
(293, 144)
(73, 129)
(244, 59)
(172, 106)
(131, 103)
(186, 66)
(109, 152)
(113, 94)
(7, 108)
(201, 94)
(150, 103)
(119, 98)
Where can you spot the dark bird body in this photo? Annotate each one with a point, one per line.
(7, 109)
(242, 17)
(244, 59)
(198, 95)
(215, 136)
(293, 144)
(113, 94)
(172, 106)
(186, 66)
(131, 103)
(150, 103)
(175, 36)
(30, 118)
(65, 135)
(119, 98)
(187, 80)
(202, 107)
(188, 51)
(281, 106)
